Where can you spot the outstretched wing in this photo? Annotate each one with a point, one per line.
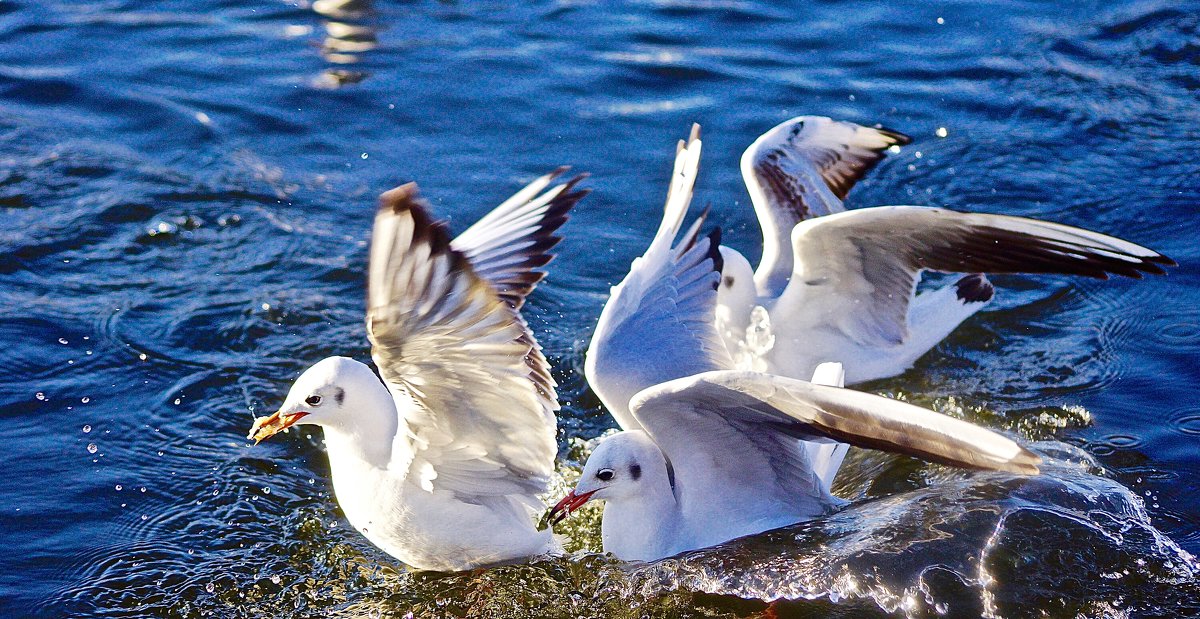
(510, 244)
(731, 436)
(803, 168)
(470, 382)
(658, 322)
(857, 271)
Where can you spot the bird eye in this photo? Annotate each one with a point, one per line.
(313, 400)
(604, 474)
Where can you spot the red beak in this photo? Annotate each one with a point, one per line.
(568, 504)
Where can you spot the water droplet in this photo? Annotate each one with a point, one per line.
(266, 306)
(85, 399)
(894, 148)
(160, 454)
(118, 487)
(941, 20)
(276, 579)
(142, 356)
(364, 155)
(311, 481)
(176, 401)
(62, 340)
(142, 489)
(191, 551)
(917, 154)
(391, 106)
(145, 517)
(210, 587)
(92, 448)
(266, 490)
(941, 132)
(39, 395)
(216, 492)
(87, 429)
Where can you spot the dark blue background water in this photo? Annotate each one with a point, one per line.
(186, 190)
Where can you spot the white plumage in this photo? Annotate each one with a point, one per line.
(710, 453)
(441, 463)
(837, 285)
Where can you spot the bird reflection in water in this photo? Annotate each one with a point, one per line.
(346, 37)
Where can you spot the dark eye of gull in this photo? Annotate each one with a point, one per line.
(604, 474)
(313, 400)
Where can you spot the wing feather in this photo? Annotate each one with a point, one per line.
(663, 308)
(472, 384)
(731, 436)
(509, 245)
(859, 269)
(803, 168)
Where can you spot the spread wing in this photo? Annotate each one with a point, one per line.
(731, 437)
(510, 244)
(803, 168)
(658, 322)
(470, 382)
(857, 271)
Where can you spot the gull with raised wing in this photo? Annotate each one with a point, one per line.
(710, 453)
(838, 285)
(441, 462)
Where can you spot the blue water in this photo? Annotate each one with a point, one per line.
(186, 190)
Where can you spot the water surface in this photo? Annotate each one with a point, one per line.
(186, 190)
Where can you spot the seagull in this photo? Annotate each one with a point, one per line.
(708, 452)
(837, 285)
(441, 462)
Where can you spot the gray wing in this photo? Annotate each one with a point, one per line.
(803, 168)
(510, 244)
(857, 271)
(658, 322)
(471, 383)
(731, 437)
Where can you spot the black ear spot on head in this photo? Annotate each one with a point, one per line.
(339, 395)
(728, 281)
(635, 471)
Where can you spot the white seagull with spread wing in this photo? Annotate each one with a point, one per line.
(440, 464)
(710, 453)
(838, 285)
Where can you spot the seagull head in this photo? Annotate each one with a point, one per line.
(736, 289)
(320, 396)
(624, 466)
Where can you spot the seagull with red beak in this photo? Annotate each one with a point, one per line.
(710, 453)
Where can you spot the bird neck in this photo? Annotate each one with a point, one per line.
(640, 529)
(367, 434)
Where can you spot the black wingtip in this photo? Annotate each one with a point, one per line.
(897, 138)
(974, 288)
(407, 199)
(714, 252)
(402, 198)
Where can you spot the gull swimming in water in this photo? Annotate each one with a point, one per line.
(710, 453)
(441, 462)
(838, 285)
